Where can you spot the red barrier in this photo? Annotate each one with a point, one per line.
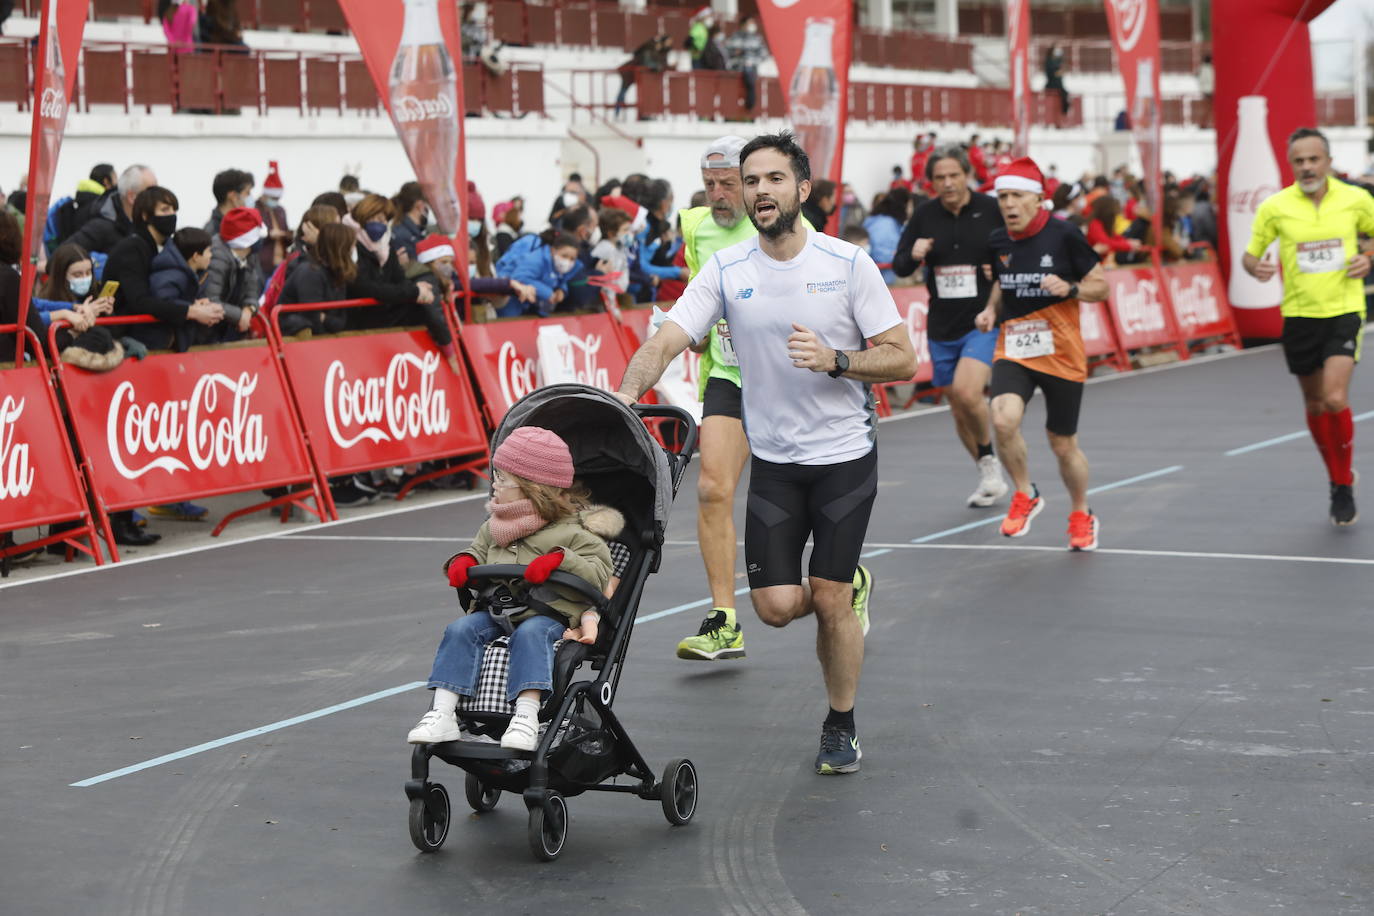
(39, 480)
(1139, 312)
(504, 356)
(381, 400)
(1197, 297)
(1099, 337)
(913, 304)
(179, 426)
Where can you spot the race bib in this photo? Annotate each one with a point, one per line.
(1028, 339)
(956, 281)
(728, 357)
(1321, 257)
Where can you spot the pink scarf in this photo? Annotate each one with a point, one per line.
(510, 522)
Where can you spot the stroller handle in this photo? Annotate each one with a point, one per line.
(517, 571)
(689, 441)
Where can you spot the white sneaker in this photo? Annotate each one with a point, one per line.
(435, 727)
(993, 486)
(522, 734)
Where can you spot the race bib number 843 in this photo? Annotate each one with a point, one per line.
(1321, 257)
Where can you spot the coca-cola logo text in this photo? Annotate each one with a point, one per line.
(1248, 200)
(408, 108)
(577, 362)
(1139, 308)
(1194, 301)
(1089, 321)
(518, 375)
(16, 476)
(166, 435)
(400, 405)
(53, 103)
(916, 329)
(1130, 21)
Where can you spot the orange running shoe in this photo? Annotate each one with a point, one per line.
(1083, 531)
(1023, 509)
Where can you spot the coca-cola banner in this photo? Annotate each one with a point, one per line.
(1135, 34)
(1139, 311)
(811, 42)
(913, 304)
(179, 426)
(38, 482)
(54, 75)
(1018, 50)
(1198, 298)
(381, 400)
(1099, 336)
(505, 356)
(413, 51)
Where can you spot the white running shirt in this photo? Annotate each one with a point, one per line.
(791, 415)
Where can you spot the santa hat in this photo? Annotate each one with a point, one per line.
(477, 208)
(1021, 175)
(702, 13)
(433, 247)
(638, 215)
(241, 227)
(271, 185)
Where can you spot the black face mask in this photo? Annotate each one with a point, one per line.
(165, 224)
(424, 220)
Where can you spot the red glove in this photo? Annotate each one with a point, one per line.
(458, 569)
(539, 568)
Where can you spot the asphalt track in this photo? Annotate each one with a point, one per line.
(1179, 723)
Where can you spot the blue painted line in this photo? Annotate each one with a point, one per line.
(1278, 440)
(251, 733)
(875, 553)
(704, 602)
(1102, 489)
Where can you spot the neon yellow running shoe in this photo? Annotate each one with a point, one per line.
(718, 639)
(863, 590)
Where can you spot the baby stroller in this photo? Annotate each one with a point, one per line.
(582, 745)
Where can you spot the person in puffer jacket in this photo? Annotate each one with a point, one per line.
(547, 266)
(539, 518)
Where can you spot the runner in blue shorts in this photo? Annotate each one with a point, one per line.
(949, 235)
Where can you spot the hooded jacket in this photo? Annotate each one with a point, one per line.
(582, 539)
(172, 278)
(233, 285)
(106, 227)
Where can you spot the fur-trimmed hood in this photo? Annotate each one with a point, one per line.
(602, 521)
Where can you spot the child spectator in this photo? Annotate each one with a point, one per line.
(322, 274)
(538, 518)
(547, 267)
(179, 272)
(610, 255)
(233, 279)
(66, 296)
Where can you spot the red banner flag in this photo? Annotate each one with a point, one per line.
(413, 50)
(54, 75)
(811, 42)
(1018, 50)
(1135, 35)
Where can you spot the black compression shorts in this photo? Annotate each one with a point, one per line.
(1307, 342)
(830, 503)
(1063, 397)
(723, 399)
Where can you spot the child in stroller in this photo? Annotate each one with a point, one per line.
(541, 519)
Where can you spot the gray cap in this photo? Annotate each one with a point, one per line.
(727, 148)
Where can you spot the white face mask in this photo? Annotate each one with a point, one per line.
(569, 199)
(596, 235)
(81, 285)
(241, 254)
(474, 227)
(563, 265)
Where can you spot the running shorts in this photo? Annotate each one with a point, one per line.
(787, 503)
(723, 398)
(1063, 397)
(945, 354)
(1308, 342)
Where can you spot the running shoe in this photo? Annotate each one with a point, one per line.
(992, 487)
(863, 590)
(1082, 530)
(1343, 511)
(718, 639)
(435, 727)
(840, 751)
(1023, 510)
(181, 512)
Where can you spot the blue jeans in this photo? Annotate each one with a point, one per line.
(459, 659)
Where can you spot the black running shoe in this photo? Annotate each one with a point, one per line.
(1343, 510)
(839, 751)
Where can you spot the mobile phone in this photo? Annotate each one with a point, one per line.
(108, 290)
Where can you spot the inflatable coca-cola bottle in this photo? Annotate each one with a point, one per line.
(424, 93)
(814, 99)
(1254, 176)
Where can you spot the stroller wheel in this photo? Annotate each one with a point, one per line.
(678, 791)
(548, 830)
(429, 818)
(479, 796)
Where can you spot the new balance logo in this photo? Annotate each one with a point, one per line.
(1047, 261)
(744, 293)
(1350, 344)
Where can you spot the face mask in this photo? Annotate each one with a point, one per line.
(165, 224)
(474, 228)
(569, 199)
(751, 28)
(81, 285)
(250, 202)
(375, 231)
(424, 219)
(241, 255)
(563, 265)
(596, 235)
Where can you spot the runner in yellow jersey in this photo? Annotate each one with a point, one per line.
(1317, 221)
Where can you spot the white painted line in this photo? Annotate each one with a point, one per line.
(1131, 552)
(1286, 438)
(704, 602)
(251, 733)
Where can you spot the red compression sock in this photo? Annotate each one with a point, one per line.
(1340, 431)
(1321, 435)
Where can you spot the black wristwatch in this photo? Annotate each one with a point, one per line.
(841, 364)
(1073, 290)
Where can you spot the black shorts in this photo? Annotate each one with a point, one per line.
(787, 503)
(1308, 342)
(722, 399)
(1062, 396)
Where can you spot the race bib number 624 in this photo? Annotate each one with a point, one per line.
(1028, 339)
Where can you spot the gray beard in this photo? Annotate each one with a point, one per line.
(721, 219)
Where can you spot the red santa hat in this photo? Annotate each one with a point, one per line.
(433, 247)
(638, 215)
(1021, 175)
(241, 227)
(271, 185)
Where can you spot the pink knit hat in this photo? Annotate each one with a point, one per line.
(536, 454)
